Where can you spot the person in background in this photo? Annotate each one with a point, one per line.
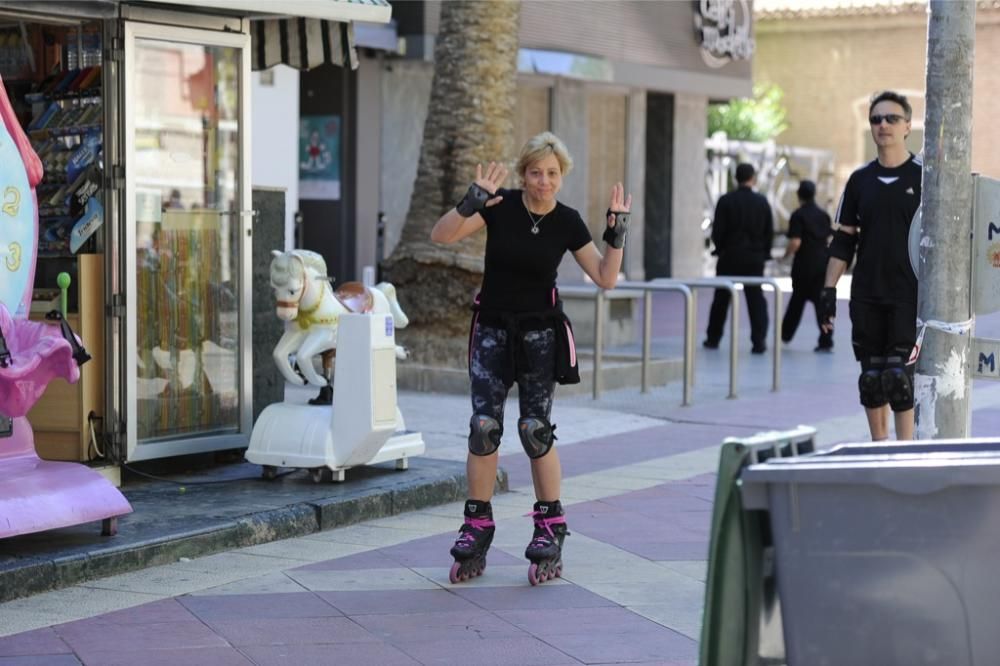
(874, 216)
(809, 234)
(743, 232)
(520, 334)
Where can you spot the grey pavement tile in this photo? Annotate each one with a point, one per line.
(675, 589)
(446, 626)
(273, 583)
(41, 660)
(247, 564)
(169, 580)
(419, 521)
(363, 535)
(684, 620)
(66, 605)
(526, 597)
(355, 654)
(668, 550)
(697, 569)
(370, 559)
(509, 651)
(214, 656)
(396, 601)
(544, 623)
(362, 579)
(291, 631)
(308, 550)
(39, 641)
(85, 641)
(257, 606)
(608, 646)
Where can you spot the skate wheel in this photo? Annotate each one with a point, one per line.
(269, 472)
(533, 575)
(317, 474)
(453, 575)
(558, 572)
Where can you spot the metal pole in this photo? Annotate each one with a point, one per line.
(694, 322)
(598, 340)
(776, 379)
(689, 322)
(734, 334)
(647, 334)
(942, 383)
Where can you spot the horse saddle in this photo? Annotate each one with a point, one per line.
(355, 296)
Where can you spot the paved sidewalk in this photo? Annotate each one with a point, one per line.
(639, 480)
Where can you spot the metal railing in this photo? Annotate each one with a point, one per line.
(644, 290)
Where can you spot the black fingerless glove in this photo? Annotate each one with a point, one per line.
(474, 201)
(828, 304)
(615, 236)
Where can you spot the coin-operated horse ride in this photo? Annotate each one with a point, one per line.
(35, 494)
(363, 425)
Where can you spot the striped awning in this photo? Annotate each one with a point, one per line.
(302, 43)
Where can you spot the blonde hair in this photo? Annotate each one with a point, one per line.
(541, 146)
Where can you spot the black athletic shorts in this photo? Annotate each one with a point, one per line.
(879, 329)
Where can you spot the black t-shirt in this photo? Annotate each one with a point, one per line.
(811, 225)
(881, 202)
(743, 225)
(520, 267)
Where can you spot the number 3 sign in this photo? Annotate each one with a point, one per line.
(20, 171)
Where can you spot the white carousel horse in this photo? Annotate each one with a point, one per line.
(310, 308)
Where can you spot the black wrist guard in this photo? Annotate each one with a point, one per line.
(828, 304)
(474, 201)
(615, 236)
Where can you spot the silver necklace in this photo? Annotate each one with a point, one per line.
(534, 222)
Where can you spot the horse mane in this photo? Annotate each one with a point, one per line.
(284, 267)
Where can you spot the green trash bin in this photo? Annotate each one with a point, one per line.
(739, 588)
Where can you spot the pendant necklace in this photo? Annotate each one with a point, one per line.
(534, 222)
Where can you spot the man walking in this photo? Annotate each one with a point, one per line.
(809, 232)
(743, 231)
(874, 215)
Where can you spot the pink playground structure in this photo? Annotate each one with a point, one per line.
(35, 494)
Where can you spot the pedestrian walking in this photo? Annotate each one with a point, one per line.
(743, 232)
(809, 233)
(874, 215)
(520, 334)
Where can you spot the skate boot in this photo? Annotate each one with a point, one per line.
(545, 549)
(474, 539)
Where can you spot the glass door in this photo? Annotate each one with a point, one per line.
(188, 375)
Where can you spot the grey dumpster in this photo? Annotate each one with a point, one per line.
(886, 554)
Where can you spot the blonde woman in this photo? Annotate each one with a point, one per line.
(520, 334)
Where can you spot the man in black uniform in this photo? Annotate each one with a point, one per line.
(742, 231)
(874, 215)
(809, 232)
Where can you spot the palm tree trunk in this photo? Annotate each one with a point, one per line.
(470, 120)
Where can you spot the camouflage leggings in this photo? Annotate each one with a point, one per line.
(534, 373)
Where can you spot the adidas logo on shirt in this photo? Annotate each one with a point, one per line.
(909, 190)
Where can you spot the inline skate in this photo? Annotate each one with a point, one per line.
(545, 549)
(474, 539)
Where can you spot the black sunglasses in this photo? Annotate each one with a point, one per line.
(891, 118)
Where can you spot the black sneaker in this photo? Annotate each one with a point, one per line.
(708, 344)
(828, 349)
(758, 349)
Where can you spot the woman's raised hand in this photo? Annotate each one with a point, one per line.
(619, 202)
(491, 180)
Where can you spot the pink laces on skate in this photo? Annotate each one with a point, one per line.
(547, 523)
(473, 524)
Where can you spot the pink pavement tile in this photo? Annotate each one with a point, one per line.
(525, 651)
(41, 660)
(545, 623)
(372, 559)
(354, 654)
(371, 602)
(295, 631)
(37, 642)
(216, 656)
(543, 596)
(155, 612)
(609, 646)
(440, 626)
(257, 606)
(87, 639)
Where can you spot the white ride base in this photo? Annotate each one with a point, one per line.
(363, 426)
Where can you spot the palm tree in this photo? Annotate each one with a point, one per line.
(470, 120)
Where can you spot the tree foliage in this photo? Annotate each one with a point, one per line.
(758, 118)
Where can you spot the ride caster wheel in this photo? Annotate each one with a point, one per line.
(535, 576)
(458, 574)
(317, 474)
(269, 472)
(454, 576)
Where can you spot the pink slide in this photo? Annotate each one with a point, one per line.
(35, 494)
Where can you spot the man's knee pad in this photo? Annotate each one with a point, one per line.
(897, 385)
(536, 435)
(870, 385)
(484, 435)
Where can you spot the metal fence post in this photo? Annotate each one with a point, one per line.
(647, 334)
(598, 341)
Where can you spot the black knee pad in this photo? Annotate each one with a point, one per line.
(870, 384)
(536, 435)
(484, 435)
(897, 385)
